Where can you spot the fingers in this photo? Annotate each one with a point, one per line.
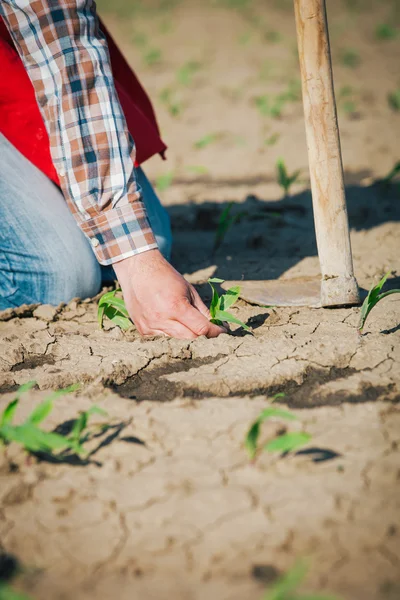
(199, 324)
(199, 304)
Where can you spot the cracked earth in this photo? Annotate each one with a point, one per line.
(170, 506)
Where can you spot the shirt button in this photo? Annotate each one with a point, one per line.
(61, 172)
(95, 242)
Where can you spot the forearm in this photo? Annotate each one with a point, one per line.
(67, 59)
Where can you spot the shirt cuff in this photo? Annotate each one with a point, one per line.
(119, 233)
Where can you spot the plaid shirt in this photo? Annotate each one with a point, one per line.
(66, 57)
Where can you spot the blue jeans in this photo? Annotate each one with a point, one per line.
(44, 256)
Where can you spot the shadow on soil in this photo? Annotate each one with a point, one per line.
(153, 385)
(269, 237)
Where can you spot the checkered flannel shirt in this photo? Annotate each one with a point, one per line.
(67, 59)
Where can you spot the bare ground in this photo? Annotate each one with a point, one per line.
(169, 505)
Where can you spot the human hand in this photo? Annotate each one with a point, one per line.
(160, 301)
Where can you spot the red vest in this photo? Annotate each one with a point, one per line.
(22, 124)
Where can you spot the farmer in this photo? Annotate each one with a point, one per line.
(73, 207)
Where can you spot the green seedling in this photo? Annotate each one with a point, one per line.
(272, 36)
(285, 588)
(152, 57)
(244, 38)
(197, 169)
(139, 39)
(284, 179)
(7, 593)
(374, 296)
(113, 307)
(186, 73)
(394, 100)
(174, 106)
(393, 173)
(220, 304)
(272, 139)
(350, 58)
(206, 141)
(286, 442)
(384, 31)
(164, 181)
(34, 439)
(270, 107)
(346, 100)
(273, 107)
(226, 221)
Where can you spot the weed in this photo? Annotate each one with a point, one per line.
(152, 57)
(34, 439)
(220, 304)
(187, 71)
(285, 588)
(286, 442)
(113, 307)
(394, 99)
(284, 179)
(350, 58)
(374, 296)
(206, 140)
(384, 31)
(226, 221)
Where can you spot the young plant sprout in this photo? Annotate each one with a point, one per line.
(113, 308)
(285, 588)
(7, 593)
(225, 222)
(220, 304)
(284, 179)
(286, 442)
(374, 296)
(34, 439)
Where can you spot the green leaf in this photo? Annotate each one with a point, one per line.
(222, 315)
(287, 442)
(287, 583)
(117, 303)
(117, 319)
(24, 388)
(81, 422)
(7, 593)
(40, 412)
(34, 439)
(164, 181)
(374, 296)
(229, 299)
(215, 297)
(393, 173)
(44, 408)
(113, 308)
(206, 141)
(8, 413)
(253, 433)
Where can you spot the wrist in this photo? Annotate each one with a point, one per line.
(150, 260)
